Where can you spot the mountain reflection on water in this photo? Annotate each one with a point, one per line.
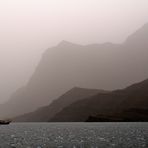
(74, 135)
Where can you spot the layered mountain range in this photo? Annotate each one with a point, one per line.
(107, 66)
(80, 105)
(129, 104)
(45, 113)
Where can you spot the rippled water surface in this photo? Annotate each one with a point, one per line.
(74, 135)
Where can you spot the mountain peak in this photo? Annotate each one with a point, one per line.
(139, 36)
(64, 43)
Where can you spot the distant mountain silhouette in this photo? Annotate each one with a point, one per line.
(130, 104)
(107, 66)
(47, 112)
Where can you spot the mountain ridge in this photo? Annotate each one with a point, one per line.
(114, 106)
(45, 113)
(106, 66)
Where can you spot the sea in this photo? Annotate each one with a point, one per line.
(74, 135)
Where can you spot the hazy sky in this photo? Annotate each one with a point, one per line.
(29, 27)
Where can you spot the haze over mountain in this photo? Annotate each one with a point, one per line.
(29, 27)
(105, 66)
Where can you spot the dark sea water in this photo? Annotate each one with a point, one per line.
(74, 135)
